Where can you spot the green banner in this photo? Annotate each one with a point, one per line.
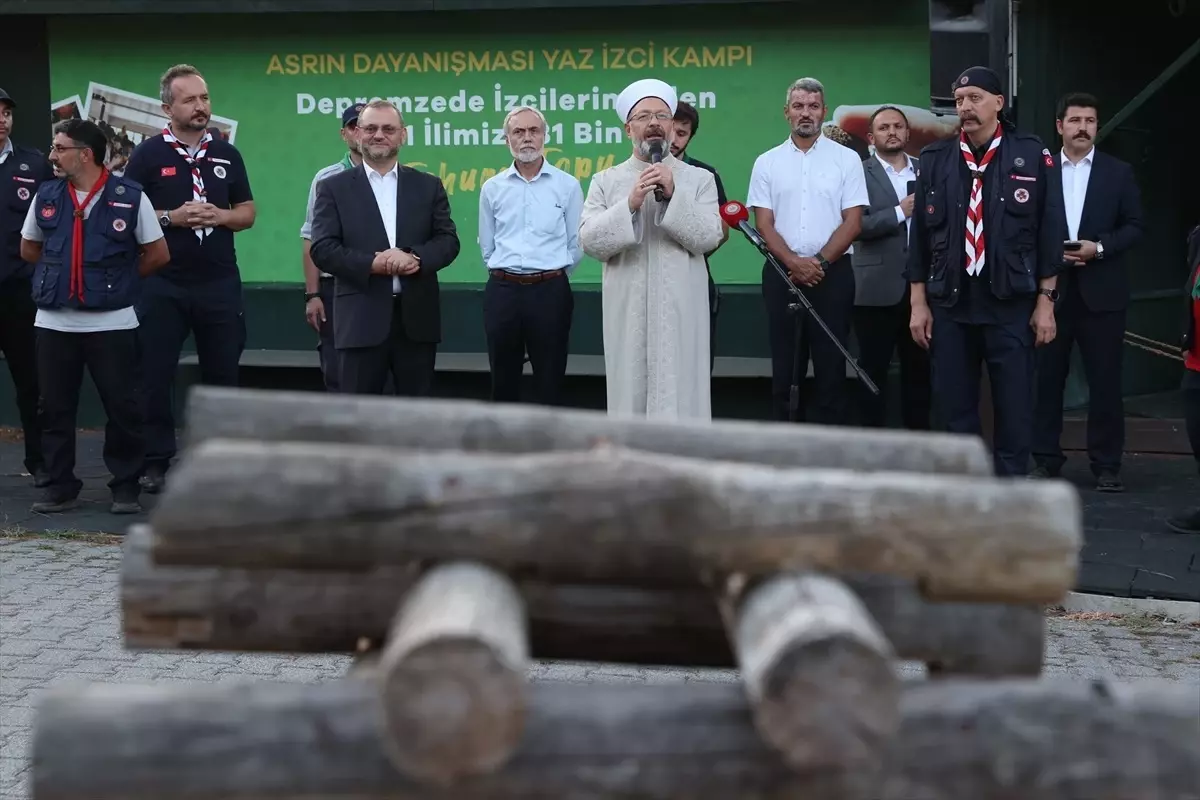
(279, 84)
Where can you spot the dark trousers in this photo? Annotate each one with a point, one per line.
(19, 343)
(1191, 410)
(326, 351)
(167, 312)
(533, 318)
(1101, 340)
(957, 352)
(714, 306)
(365, 370)
(833, 299)
(111, 359)
(882, 331)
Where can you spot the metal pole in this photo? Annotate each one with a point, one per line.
(1152, 87)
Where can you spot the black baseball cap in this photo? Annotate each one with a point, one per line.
(4, 98)
(351, 113)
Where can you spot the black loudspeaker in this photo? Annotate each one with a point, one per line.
(965, 33)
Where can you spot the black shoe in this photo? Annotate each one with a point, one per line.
(53, 504)
(153, 481)
(1187, 522)
(125, 501)
(1109, 482)
(41, 478)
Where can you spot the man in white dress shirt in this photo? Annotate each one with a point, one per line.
(384, 231)
(808, 196)
(529, 236)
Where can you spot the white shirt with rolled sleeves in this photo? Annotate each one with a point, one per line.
(807, 192)
(69, 320)
(530, 226)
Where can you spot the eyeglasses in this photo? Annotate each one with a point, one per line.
(62, 148)
(371, 130)
(646, 116)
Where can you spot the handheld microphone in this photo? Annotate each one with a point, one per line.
(656, 155)
(736, 216)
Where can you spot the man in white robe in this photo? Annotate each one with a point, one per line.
(655, 284)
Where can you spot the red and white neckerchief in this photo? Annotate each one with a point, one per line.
(974, 239)
(198, 194)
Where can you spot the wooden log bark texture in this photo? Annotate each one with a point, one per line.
(818, 672)
(226, 608)
(235, 413)
(616, 516)
(691, 741)
(452, 674)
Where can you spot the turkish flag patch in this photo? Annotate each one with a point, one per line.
(167, 172)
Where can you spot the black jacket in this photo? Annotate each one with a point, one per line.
(1023, 221)
(20, 176)
(347, 231)
(1112, 215)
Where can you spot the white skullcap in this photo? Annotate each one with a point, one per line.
(639, 90)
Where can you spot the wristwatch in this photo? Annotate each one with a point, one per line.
(1051, 293)
(825, 265)
(1099, 251)
(164, 219)
(311, 296)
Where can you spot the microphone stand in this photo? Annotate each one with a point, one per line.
(797, 309)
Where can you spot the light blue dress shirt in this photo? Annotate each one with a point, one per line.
(531, 226)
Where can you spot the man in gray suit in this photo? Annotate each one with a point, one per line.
(881, 301)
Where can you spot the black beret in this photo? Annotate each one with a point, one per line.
(981, 78)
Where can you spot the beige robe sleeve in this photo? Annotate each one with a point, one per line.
(693, 218)
(606, 226)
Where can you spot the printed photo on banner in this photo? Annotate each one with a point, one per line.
(70, 108)
(126, 118)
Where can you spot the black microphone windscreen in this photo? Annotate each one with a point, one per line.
(656, 152)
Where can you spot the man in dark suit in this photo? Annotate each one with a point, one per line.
(881, 296)
(1103, 221)
(383, 231)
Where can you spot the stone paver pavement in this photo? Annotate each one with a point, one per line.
(60, 623)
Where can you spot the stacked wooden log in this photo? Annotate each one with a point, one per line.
(449, 544)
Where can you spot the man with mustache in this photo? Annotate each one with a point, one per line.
(686, 125)
(881, 301)
(655, 285)
(22, 171)
(201, 194)
(1104, 215)
(384, 231)
(91, 235)
(983, 260)
(529, 237)
(808, 196)
(318, 286)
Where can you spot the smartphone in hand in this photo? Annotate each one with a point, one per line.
(1071, 247)
(912, 187)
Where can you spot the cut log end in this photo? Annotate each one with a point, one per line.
(452, 674)
(830, 705)
(818, 672)
(452, 709)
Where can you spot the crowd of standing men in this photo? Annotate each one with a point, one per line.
(987, 250)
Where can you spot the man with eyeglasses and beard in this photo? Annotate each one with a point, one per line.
(529, 237)
(384, 231)
(92, 236)
(318, 286)
(649, 220)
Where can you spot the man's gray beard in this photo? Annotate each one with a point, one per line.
(799, 130)
(642, 146)
(190, 125)
(527, 156)
(379, 153)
